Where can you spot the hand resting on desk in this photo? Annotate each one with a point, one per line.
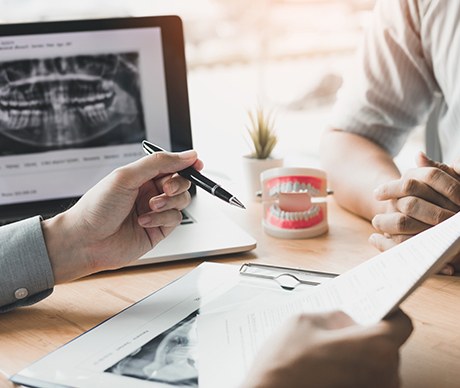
(330, 350)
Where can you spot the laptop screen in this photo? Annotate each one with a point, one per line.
(77, 98)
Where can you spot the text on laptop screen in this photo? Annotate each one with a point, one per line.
(74, 106)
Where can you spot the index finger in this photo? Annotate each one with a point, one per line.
(135, 174)
(441, 182)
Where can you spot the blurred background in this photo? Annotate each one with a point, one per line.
(286, 55)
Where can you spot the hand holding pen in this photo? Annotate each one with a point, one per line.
(198, 179)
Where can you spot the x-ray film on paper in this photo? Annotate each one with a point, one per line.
(76, 101)
(169, 358)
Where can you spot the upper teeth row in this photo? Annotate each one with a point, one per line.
(293, 187)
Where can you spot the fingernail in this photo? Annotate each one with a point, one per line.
(377, 191)
(187, 154)
(144, 220)
(158, 203)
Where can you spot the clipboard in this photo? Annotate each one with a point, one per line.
(287, 278)
(129, 348)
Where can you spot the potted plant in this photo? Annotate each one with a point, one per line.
(263, 139)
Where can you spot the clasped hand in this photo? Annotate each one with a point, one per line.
(421, 198)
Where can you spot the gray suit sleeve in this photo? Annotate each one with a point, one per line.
(26, 275)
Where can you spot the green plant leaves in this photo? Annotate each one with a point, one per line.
(262, 134)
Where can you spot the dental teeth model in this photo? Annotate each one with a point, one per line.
(294, 202)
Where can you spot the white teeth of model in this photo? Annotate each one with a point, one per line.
(314, 211)
(296, 187)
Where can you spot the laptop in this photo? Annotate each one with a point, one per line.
(76, 100)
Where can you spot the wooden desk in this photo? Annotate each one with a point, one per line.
(431, 358)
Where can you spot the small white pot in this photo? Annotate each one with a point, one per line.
(252, 169)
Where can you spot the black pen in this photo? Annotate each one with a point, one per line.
(198, 179)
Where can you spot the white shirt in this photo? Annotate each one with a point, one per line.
(410, 54)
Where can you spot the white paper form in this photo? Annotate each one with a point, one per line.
(228, 343)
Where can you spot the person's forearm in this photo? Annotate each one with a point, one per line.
(355, 167)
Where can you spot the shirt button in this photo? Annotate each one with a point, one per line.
(21, 293)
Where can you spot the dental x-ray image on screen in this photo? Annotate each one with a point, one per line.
(70, 102)
(169, 358)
